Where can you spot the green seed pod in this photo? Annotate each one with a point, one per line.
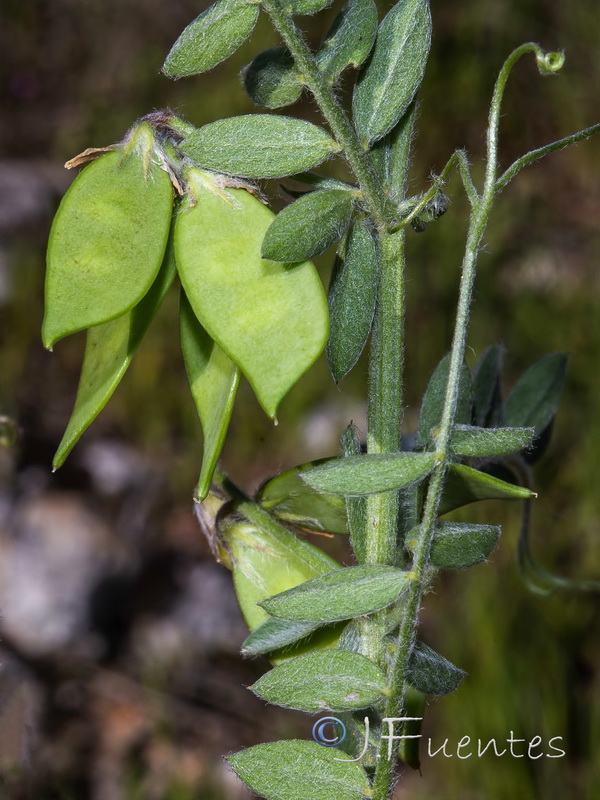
(108, 238)
(213, 381)
(109, 351)
(270, 319)
(266, 563)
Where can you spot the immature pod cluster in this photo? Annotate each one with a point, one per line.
(240, 313)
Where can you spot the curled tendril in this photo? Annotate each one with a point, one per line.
(550, 63)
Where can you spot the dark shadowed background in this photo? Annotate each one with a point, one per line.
(120, 675)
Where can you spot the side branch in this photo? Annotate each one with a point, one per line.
(458, 157)
(540, 152)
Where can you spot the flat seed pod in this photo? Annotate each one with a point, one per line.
(352, 298)
(309, 226)
(288, 497)
(272, 79)
(107, 242)
(259, 146)
(109, 350)
(369, 474)
(214, 379)
(280, 770)
(212, 37)
(343, 594)
(350, 38)
(265, 563)
(334, 679)
(388, 83)
(272, 321)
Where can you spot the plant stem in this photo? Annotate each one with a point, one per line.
(386, 358)
(336, 117)
(540, 152)
(458, 157)
(407, 633)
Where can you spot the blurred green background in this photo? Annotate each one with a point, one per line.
(77, 73)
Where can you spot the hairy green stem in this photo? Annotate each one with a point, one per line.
(336, 117)
(458, 157)
(407, 633)
(540, 152)
(386, 359)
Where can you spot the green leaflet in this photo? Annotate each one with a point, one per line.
(431, 673)
(334, 679)
(212, 37)
(468, 440)
(259, 146)
(342, 594)
(356, 507)
(460, 544)
(535, 397)
(433, 401)
(465, 485)
(308, 6)
(289, 498)
(108, 239)
(323, 181)
(108, 353)
(391, 154)
(275, 634)
(272, 79)
(214, 379)
(282, 770)
(350, 38)
(265, 563)
(352, 298)
(369, 474)
(309, 226)
(487, 389)
(388, 83)
(270, 320)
